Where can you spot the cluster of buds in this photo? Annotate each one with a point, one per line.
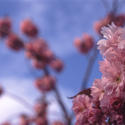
(41, 112)
(57, 123)
(41, 55)
(24, 120)
(6, 123)
(13, 41)
(45, 83)
(38, 51)
(40, 116)
(105, 104)
(118, 20)
(5, 27)
(29, 28)
(85, 44)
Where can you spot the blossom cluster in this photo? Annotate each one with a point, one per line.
(106, 103)
(118, 19)
(37, 50)
(86, 42)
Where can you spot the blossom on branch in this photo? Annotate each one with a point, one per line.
(107, 102)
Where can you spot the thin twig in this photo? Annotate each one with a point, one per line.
(60, 101)
(105, 4)
(114, 6)
(20, 100)
(89, 68)
(121, 4)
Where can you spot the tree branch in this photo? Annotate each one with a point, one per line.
(20, 100)
(60, 101)
(89, 68)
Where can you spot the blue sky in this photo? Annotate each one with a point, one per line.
(60, 21)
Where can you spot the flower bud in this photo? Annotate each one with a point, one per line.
(29, 28)
(24, 120)
(57, 65)
(57, 123)
(14, 42)
(41, 121)
(6, 123)
(119, 20)
(5, 27)
(38, 64)
(45, 84)
(85, 44)
(41, 108)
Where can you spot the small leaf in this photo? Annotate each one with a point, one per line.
(86, 92)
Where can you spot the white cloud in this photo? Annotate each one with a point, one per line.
(9, 109)
(24, 88)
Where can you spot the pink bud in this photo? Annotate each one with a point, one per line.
(14, 42)
(24, 120)
(40, 108)
(29, 54)
(48, 55)
(98, 25)
(41, 121)
(5, 27)
(57, 123)
(85, 44)
(29, 28)
(6, 123)
(104, 22)
(46, 83)
(119, 20)
(57, 65)
(38, 64)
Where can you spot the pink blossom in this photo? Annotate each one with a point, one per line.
(108, 93)
(57, 65)
(45, 83)
(57, 123)
(85, 44)
(29, 28)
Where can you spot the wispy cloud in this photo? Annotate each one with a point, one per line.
(24, 88)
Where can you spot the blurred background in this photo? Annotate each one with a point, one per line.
(59, 22)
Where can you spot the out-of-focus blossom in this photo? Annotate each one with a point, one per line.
(5, 26)
(24, 120)
(57, 123)
(38, 64)
(6, 123)
(118, 20)
(57, 65)
(41, 121)
(29, 28)
(14, 42)
(41, 108)
(101, 23)
(45, 83)
(38, 50)
(85, 44)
